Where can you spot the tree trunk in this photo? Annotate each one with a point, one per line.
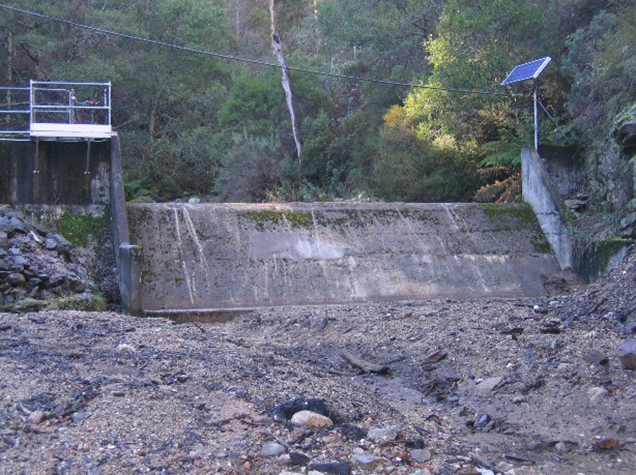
(286, 79)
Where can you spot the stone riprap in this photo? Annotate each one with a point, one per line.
(222, 256)
(36, 266)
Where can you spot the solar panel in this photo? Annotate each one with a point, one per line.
(525, 71)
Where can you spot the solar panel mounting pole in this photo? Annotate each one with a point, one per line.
(536, 116)
(523, 72)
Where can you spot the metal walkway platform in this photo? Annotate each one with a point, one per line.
(58, 111)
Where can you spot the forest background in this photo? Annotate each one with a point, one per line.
(195, 124)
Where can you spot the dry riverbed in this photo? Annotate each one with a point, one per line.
(522, 386)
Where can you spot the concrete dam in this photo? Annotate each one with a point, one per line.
(186, 258)
(204, 257)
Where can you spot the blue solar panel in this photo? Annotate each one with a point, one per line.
(525, 71)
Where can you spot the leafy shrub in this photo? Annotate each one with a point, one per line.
(252, 169)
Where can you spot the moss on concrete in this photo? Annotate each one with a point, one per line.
(520, 212)
(77, 229)
(265, 218)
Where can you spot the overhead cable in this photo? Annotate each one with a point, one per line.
(246, 60)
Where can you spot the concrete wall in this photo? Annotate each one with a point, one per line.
(60, 173)
(128, 257)
(212, 256)
(565, 168)
(541, 194)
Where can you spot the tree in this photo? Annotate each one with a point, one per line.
(407, 168)
(602, 68)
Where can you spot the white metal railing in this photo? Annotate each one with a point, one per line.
(14, 113)
(56, 110)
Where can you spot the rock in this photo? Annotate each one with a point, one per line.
(284, 412)
(575, 205)
(627, 354)
(5, 225)
(334, 468)
(486, 387)
(595, 357)
(17, 223)
(33, 283)
(79, 416)
(383, 434)
(421, 455)
(607, 443)
(53, 281)
(482, 421)
(16, 279)
(272, 449)
(540, 309)
(624, 127)
(63, 246)
(478, 458)
(73, 284)
(351, 432)
(125, 348)
(630, 328)
(435, 357)
(422, 471)
(367, 460)
(596, 393)
(468, 471)
(537, 445)
(311, 420)
(36, 417)
(551, 326)
(298, 458)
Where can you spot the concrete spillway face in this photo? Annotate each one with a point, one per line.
(212, 256)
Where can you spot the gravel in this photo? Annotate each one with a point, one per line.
(521, 386)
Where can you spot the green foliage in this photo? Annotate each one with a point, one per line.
(602, 67)
(253, 169)
(194, 124)
(255, 104)
(78, 229)
(476, 43)
(406, 168)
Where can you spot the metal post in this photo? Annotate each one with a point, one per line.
(31, 101)
(107, 102)
(536, 116)
(88, 158)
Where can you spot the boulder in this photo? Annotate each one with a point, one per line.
(311, 420)
(624, 129)
(627, 354)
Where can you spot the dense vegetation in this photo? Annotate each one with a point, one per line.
(195, 124)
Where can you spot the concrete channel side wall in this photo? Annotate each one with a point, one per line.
(213, 256)
(541, 194)
(128, 256)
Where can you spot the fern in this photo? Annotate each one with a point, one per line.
(504, 191)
